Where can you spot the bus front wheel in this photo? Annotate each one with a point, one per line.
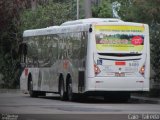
(69, 92)
(70, 95)
(31, 92)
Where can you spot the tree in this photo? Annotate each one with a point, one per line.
(9, 39)
(45, 15)
(139, 10)
(103, 10)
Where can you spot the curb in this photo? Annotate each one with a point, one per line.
(146, 99)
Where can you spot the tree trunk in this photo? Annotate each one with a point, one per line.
(33, 4)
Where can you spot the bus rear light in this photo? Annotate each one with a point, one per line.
(96, 69)
(142, 70)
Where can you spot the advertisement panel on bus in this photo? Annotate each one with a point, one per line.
(119, 38)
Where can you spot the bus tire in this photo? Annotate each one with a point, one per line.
(32, 93)
(62, 90)
(70, 94)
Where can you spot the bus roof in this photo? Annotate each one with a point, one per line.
(77, 25)
(90, 21)
(54, 30)
(81, 25)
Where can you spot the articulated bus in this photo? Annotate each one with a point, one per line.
(88, 56)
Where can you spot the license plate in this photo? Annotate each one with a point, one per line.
(119, 74)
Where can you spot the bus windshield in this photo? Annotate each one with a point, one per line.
(115, 42)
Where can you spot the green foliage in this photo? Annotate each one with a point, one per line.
(140, 10)
(9, 39)
(155, 51)
(73, 9)
(104, 10)
(45, 15)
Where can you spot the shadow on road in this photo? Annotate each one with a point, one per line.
(95, 100)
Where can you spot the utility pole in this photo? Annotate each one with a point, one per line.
(87, 7)
(77, 9)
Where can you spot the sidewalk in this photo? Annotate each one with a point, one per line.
(146, 99)
(10, 91)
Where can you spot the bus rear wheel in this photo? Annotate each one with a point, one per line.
(62, 91)
(69, 92)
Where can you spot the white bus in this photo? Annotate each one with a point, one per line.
(91, 56)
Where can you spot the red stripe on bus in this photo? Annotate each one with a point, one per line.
(26, 71)
(120, 63)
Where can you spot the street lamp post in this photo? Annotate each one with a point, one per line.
(77, 9)
(87, 7)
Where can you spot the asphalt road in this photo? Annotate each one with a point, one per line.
(20, 106)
